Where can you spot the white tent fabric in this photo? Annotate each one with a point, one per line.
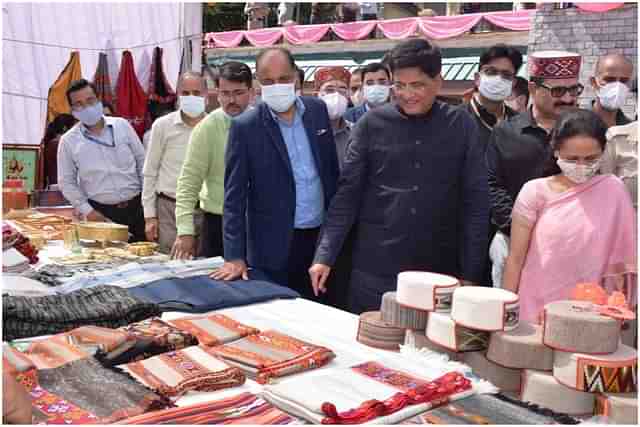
(37, 39)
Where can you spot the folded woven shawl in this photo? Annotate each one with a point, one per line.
(201, 294)
(191, 369)
(214, 329)
(272, 354)
(243, 409)
(105, 306)
(84, 392)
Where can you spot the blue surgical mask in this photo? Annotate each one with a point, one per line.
(279, 97)
(376, 94)
(193, 106)
(89, 116)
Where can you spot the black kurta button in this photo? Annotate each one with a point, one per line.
(418, 165)
(418, 142)
(413, 211)
(415, 188)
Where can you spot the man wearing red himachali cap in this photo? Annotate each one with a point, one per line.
(520, 149)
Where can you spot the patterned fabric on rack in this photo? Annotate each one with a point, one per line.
(214, 329)
(105, 306)
(191, 369)
(272, 354)
(83, 392)
(242, 409)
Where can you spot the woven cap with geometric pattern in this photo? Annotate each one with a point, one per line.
(554, 64)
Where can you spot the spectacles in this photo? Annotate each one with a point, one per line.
(77, 106)
(560, 91)
(491, 72)
(414, 87)
(232, 94)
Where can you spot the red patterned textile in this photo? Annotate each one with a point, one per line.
(131, 102)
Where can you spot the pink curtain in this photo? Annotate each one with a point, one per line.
(598, 7)
(265, 37)
(227, 38)
(398, 29)
(354, 30)
(301, 34)
(515, 21)
(442, 27)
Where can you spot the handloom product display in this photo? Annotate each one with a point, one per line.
(426, 291)
(366, 393)
(374, 332)
(521, 348)
(608, 373)
(243, 409)
(201, 293)
(191, 369)
(401, 316)
(103, 231)
(506, 379)
(542, 388)
(105, 306)
(575, 326)
(619, 408)
(84, 392)
(443, 331)
(483, 409)
(485, 309)
(271, 354)
(213, 329)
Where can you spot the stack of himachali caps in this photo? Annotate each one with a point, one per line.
(573, 363)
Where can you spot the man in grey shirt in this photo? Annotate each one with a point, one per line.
(100, 163)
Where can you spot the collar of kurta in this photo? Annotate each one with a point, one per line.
(526, 121)
(486, 116)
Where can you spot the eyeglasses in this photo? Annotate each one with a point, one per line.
(560, 91)
(77, 106)
(414, 87)
(491, 72)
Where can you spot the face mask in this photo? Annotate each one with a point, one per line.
(89, 116)
(578, 173)
(494, 88)
(336, 104)
(613, 95)
(376, 94)
(192, 106)
(279, 97)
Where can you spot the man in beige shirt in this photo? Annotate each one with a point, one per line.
(166, 152)
(621, 157)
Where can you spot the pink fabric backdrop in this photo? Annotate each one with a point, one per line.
(354, 30)
(303, 34)
(228, 38)
(398, 29)
(442, 27)
(264, 37)
(598, 7)
(436, 28)
(514, 21)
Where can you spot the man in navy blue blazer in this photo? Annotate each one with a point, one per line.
(281, 173)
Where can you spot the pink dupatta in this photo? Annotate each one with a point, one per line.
(586, 234)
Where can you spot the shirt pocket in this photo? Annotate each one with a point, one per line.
(124, 156)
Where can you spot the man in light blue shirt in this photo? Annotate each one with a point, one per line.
(100, 163)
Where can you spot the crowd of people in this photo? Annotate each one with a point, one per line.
(334, 194)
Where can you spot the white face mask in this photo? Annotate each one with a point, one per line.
(376, 94)
(89, 116)
(193, 106)
(336, 104)
(280, 96)
(613, 95)
(578, 173)
(495, 88)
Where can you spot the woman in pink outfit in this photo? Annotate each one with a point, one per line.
(575, 226)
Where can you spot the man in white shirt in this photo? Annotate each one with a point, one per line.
(100, 163)
(165, 155)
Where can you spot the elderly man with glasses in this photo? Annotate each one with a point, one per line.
(519, 148)
(100, 163)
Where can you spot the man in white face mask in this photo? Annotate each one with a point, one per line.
(165, 154)
(332, 84)
(376, 88)
(100, 163)
(201, 179)
(280, 175)
(611, 82)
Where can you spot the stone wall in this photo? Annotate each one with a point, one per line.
(590, 34)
